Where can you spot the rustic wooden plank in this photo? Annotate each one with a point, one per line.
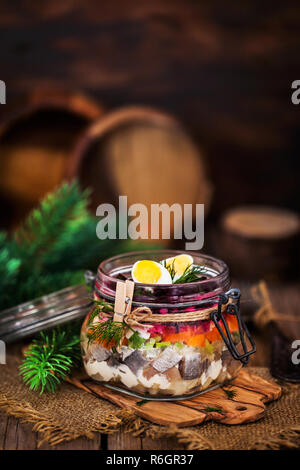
(78, 444)
(3, 427)
(25, 437)
(10, 438)
(122, 441)
(15, 435)
(161, 444)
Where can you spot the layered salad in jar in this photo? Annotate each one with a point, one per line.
(161, 358)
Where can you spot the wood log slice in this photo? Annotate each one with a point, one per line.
(260, 242)
(37, 133)
(144, 154)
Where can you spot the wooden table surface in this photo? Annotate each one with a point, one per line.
(17, 435)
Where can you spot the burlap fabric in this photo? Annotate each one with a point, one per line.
(71, 413)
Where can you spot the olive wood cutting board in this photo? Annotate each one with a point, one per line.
(247, 404)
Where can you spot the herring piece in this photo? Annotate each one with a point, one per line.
(173, 375)
(125, 352)
(149, 377)
(214, 369)
(192, 366)
(127, 376)
(100, 371)
(135, 361)
(114, 360)
(226, 357)
(166, 360)
(98, 352)
(149, 372)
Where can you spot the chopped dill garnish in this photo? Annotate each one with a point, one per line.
(142, 402)
(210, 409)
(231, 394)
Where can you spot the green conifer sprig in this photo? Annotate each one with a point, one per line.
(51, 358)
(53, 247)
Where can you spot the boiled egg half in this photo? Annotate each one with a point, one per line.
(179, 264)
(150, 272)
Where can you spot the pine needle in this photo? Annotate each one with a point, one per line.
(51, 358)
(53, 247)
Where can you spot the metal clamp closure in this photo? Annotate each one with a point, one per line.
(233, 308)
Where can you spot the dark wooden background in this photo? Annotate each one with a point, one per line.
(224, 68)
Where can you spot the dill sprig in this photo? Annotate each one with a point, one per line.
(210, 409)
(170, 267)
(190, 274)
(231, 394)
(107, 332)
(51, 358)
(104, 306)
(100, 307)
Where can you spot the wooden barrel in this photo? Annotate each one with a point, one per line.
(260, 242)
(143, 154)
(37, 134)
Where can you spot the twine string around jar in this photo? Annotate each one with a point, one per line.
(141, 315)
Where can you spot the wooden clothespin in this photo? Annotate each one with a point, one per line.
(123, 299)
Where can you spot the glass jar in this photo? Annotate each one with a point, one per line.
(202, 348)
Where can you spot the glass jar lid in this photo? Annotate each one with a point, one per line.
(44, 312)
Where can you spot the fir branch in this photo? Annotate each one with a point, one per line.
(61, 211)
(10, 266)
(53, 247)
(51, 358)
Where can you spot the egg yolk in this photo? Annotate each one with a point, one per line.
(180, 263)
(147, 272)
